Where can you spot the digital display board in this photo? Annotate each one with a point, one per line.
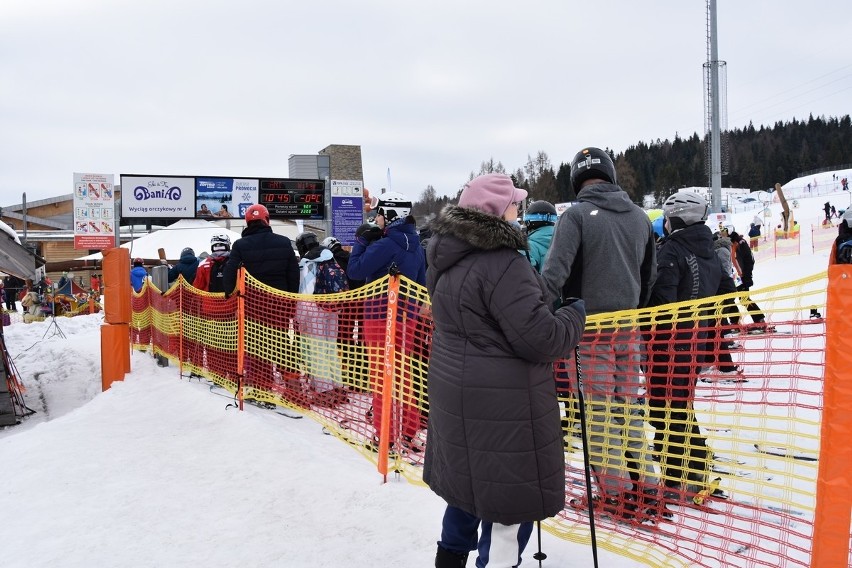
(293, 198)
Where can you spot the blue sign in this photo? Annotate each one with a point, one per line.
(347, 214)
(214, 198)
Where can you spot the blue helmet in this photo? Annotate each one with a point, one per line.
(539, 214)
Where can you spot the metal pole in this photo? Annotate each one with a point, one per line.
(160, 279)
(581, 402)
(715, 135)
(117, 217)
(24, 214)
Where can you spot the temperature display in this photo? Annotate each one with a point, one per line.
(293, 198)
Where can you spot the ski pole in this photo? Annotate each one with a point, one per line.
(539, 555)
(582, 404)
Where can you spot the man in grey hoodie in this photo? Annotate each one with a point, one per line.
(603, 251)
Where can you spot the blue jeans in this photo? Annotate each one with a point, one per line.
(459, 534)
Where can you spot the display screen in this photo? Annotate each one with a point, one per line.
(293, 198)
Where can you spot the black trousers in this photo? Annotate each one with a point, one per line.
(678, 442)
(750, 305)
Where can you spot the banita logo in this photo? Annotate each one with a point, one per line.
(157, 190)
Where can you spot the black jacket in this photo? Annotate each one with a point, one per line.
(745, 259)
(186, 267)
(689, 269)
(495, 440)
(267, 256)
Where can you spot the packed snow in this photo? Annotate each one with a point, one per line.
(156, 471)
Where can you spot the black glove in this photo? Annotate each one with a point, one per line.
(576, 304)
(367, 233)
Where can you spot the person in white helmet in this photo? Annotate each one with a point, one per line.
(210, 273)
(687, 269)
(398, 243)
(391, 244)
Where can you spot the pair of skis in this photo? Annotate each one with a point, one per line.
(260, 404)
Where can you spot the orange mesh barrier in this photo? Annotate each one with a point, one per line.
(834, 483)
(786, 244)
(822, 237)
(657, 406)
(753, 435)
(141, 324)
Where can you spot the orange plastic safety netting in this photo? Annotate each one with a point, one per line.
(660, 410)
(678, 409)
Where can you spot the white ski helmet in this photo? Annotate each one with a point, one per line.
(220, 243)
(330, 243)
(393, 205)
(685, 208)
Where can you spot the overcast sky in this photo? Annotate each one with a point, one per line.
(428, 90)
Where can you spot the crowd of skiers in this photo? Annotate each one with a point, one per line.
(508, 301)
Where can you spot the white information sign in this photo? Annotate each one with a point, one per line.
(95, 224)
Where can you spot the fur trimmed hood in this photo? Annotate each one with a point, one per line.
(481, 230)
(459, 232)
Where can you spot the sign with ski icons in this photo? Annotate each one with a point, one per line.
(94, 211)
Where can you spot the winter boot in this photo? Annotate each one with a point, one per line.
(650, 507)
(449, 559)
(619, 506)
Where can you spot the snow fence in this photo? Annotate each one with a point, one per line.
(357, 363)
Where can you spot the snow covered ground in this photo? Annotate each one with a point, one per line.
(157, 472)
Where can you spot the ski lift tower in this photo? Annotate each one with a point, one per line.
(715, 112)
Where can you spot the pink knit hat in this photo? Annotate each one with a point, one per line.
(491, 193)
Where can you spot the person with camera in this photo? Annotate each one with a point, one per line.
(391, 244)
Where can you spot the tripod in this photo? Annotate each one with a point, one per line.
(53, 325)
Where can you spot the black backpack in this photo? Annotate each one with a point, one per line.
(844, 250)
(217, 274)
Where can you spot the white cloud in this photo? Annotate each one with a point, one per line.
(190, 87)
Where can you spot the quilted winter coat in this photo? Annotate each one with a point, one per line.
(495, 447)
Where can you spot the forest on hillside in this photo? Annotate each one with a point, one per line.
(753, 158)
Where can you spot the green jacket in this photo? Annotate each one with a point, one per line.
(539, 241)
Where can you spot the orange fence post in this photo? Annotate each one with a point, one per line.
(116, 268)
(388, 386)
(241, 332)
(115, 334)
(115, 353)
(181, 337)
(834, 476)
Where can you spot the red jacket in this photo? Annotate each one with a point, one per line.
(208, 277)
